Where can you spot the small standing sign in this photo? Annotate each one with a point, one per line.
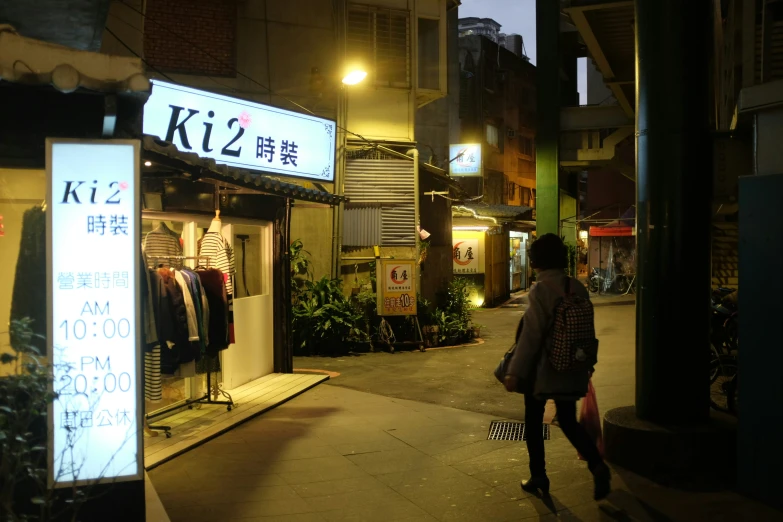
(396, 287)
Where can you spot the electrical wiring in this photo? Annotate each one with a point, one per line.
(126, 46)
(234, 69)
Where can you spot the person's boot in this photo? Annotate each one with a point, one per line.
(534, 484)
(603, 478)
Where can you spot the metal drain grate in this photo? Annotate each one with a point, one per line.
(506, 430)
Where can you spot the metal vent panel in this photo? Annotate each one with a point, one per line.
(386, 185)
(362, 226)
(399, 225)
(510, 430)
(379, 181)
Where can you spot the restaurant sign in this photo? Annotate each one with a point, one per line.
(465, 256)
(465, 159)
(241, 133)
(396, 287)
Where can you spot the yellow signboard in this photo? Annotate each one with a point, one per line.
(396, 287)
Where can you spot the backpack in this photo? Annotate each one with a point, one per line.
(574, 346)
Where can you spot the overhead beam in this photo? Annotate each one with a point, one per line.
(594, 117)
(603, 5)
(583, 26)
(622, 99)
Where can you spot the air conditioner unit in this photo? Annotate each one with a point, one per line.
(511, 133)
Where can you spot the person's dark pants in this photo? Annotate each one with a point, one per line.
(575, 432)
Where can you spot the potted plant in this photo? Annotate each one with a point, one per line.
(475, 329)
(428, 323)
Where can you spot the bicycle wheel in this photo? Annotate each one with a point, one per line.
(733, 395)
(720, 385)
(622, 285)
(594, 285)
(714, 364)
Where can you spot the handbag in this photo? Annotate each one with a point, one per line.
(502, 368)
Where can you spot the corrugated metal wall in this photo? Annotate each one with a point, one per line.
(381, 194)
(362, 226)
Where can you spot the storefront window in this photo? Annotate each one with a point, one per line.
(22, 252)
(241, 250)
(518, 260)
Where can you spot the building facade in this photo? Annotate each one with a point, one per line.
(497, 113)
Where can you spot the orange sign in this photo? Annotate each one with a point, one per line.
(396, 287)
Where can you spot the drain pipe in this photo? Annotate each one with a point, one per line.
(417, 218)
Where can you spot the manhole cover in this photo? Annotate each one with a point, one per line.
(506, 430)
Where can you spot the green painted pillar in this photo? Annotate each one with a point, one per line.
(548, 116)
(674, 192)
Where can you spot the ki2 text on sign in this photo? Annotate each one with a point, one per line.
(93, 315)
(241, 133)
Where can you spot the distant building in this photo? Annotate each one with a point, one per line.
(473, 26)
(489, 28)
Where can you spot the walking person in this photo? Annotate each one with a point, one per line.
(533, 367)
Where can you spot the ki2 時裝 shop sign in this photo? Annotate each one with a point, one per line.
(465, 159)
(93, 310)
(465, 256)
(240, 133)
(396, 287)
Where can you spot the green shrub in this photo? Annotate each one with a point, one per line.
(453, 317)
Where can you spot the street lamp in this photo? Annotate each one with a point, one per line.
(354, 77)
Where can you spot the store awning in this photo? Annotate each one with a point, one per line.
(159, 152)
(33, 62)
(502, 213)
(611, 231)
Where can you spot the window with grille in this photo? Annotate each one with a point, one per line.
(429, 53)
(492, 135)
(379, 39)
(525, 145)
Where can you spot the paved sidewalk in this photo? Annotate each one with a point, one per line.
(335, 454)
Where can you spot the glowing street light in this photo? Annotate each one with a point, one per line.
(354, 77)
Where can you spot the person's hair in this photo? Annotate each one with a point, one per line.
(548, 252)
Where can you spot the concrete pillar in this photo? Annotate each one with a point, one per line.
(674, 190)
(548, 116)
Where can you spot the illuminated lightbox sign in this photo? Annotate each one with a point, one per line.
(396, 287)
(465, 256)
(93, 310)
(465, 159)
(241, 133)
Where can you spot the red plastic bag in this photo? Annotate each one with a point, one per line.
(590, 419)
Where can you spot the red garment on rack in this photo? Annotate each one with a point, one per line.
(215, 289)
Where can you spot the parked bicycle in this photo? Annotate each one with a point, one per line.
(602, 280)
(723, 375)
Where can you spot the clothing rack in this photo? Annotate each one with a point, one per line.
(213, 389)
(182, 258)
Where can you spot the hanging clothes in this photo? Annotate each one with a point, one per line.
(217, 298)
(29, 293)
(201, 305)
(161, 242)
(218, 249)
(172, 321)
(153, 387)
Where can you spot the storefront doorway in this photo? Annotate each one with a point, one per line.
(518, 260)
(251, 356)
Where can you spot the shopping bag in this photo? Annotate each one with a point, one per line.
(590, 419)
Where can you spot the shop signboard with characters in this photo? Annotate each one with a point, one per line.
(465, 159)
(241, 133)
(465, 256)
(94, 311)
(396, 287)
